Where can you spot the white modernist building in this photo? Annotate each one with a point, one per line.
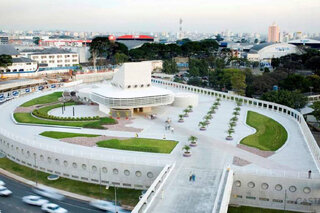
(52, 57)
(19, 64)
(130, 89)
(267, 51)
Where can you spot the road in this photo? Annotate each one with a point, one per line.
(14, 204)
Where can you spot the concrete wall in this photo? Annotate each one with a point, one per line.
(296, 194)
(79, 164)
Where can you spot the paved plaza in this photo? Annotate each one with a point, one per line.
(208, 159)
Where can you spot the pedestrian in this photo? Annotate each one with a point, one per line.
(190, 178)
(172, 130)
(309, 174)
(193, 177)
(164, 136)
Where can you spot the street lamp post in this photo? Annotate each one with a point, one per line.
(35, 165)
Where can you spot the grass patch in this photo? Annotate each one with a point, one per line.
(247, 209)
(60, 135)
(125, 196)
(22, 117)
(270, 135)
(140, 144)
(53, 97)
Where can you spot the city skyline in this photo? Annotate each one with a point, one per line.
(141, 16)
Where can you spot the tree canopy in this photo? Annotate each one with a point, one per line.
(5, 60)
(293, 99)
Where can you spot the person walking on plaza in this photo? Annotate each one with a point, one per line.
(309, 174)
(193, 177)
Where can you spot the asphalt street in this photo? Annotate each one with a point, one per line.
(14, 204)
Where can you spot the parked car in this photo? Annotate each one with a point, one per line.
(4, 191)
(49, 193)
(34, 200)
(2, 183)
(105, 205)
(53, 208)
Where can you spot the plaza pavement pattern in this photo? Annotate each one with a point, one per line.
(212, 154)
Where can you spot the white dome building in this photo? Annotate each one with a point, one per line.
(267, 51)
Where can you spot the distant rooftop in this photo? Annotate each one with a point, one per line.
(7, 49)
(47, 51)
(22, 60)
(258, 47)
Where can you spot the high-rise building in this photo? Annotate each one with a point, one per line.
(274, 33)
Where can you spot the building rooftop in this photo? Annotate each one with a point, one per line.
(258, 47)
(7, 49)
(47, 51)
(22, 60)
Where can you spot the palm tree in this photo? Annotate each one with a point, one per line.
(237, 109)
(193, 139)
(186, 111)
(186, 149)
(208, 116)
(232, 124)
(180, 118)
(234, 119)
(190, 108)
(236, 113)
(212, 111)
(202, 125)
(239, 103)
(230, 132)
(218, 99)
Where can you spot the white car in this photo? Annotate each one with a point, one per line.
(2, 183)
(34, 200)
(49, 193)
(53, 208)
(4, 191)
(104, 205)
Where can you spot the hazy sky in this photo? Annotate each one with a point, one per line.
(160, 15)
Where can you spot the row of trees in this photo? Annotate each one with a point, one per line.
(101, 47)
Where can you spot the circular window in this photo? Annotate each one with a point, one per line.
(41, 157)
(57, 161)
(237, 183)
(306, 190)
(65, 163)
(264, 186)
(104, 170)
(292, 188)
(28, 154)
(84, 166)
(251, 184)
(126, 172)
(49, 160)
(150, 175)
(74, 165)
(278, 187)
(94, 168)
(115, 171)
(138, 173)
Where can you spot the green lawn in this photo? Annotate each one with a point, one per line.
(60, 135)
(22, 117)
(125, 196)
(270, 135)
(140, 144)
(53, 97)
(247, 209)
